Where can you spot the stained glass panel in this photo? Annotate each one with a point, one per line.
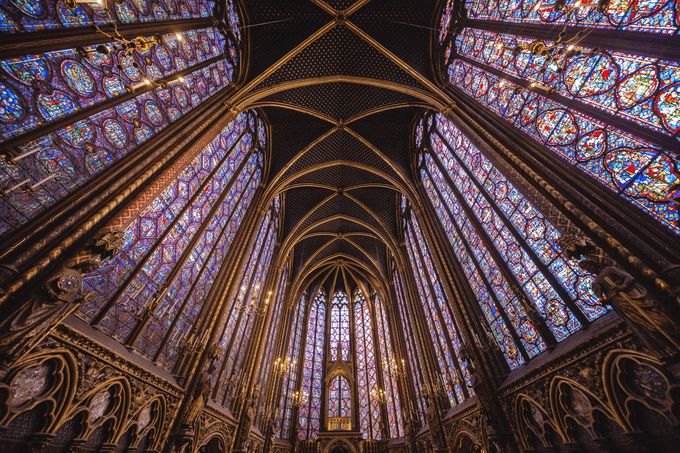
(32, 15)
(367, 373)
(312, 371)
(389, 366)
(629, 166)
(412, 348)
(289, 395)
(438, 315)
(64, 82)
(652, 16)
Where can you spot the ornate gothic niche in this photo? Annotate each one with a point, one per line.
(639, 388)
(43, 383)
(574, 406)
(145, 426)
(463, 438)
(536, 428)
(104, 408)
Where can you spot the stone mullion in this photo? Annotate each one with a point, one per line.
(295, 413)
(273, 383)
(276, 391)
(202, 271)
(186, 254)
(237, 275)
(545, 332)
(215, 304)
(572, 193)
(409, 396)
(438, 311)
(566, 297)
(159, 241)
(16, 44)
(325, 390)
(427, 348)
(244, 309)
(259, 335)
(468, 249)
(652, 45)
(106, 193)
(662, 140)
(379, 368)
(96, 108)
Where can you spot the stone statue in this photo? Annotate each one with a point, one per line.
(653, 321)
(197, 398)
(485, 398)
(28, 318)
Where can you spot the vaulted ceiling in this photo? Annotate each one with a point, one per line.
(341, 83)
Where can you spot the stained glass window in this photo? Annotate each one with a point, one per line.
(367, 373)
(455, 378)
(389, 366)
(339, 332)
(614, 115)
(655, 16)
(340, 399)
(32, 15)
(277, 298)
(249, 303)
(289, 396)
(412, 347)
(312, 369)
(174, 249)
(121, 96)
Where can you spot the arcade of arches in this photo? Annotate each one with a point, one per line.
(334, 226)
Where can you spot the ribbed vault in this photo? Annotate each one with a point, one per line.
(341, 103)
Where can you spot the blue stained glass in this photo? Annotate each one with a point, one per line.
(629, 166)
(412, 348)
(633, 87)
(653, 16)
(437, 314)
(538, 233)
(239, 324)
(312, 370)
(446, 21)
(38, 15)
(367, 376)
(82, 82)
(288, 394)
(389, 365)
(152, 223)
(339, 329)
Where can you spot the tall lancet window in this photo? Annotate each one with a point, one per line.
(596, 104)
(68, 115)
(289, 396)
(151, 294)
(503, 242)
(312, 370)
(21, 16)
(389, 366)
(367, 373)
(339, 334)
(249, 303)
(440, 319)
(407, 323)
(277, 298)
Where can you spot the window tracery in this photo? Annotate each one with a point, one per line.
(367, 373)
(440, 319)
(247, 305)
(312, 370)
(389, 365)
(289, 396)
(69, 115)
(158, 273)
